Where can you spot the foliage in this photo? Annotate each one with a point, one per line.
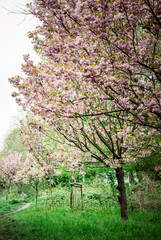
(13, 143)
(65, 177)
(145, 196)
(149, 164)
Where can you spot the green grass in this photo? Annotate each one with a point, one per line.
(10, 205)
(50, 222)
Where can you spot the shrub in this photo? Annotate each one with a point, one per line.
(14, 201)
(145, 196)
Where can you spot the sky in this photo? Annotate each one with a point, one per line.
(13, 44)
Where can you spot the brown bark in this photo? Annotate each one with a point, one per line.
(122, 193)
(16, 190)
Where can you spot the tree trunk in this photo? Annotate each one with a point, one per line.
(37, 183)
(16, 190)
(122, 193)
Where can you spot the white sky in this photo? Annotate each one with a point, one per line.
(13, 44)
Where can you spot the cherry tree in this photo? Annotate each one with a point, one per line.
(108, 141)
(113, 46)
(31, 171)
(100, 69)
(9, 165)
(38, 145)
(49, 152)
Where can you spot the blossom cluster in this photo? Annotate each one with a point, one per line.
(99, 82)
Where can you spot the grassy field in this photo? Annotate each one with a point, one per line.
(49, 221)
(10, 206)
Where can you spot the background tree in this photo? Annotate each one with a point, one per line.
(49, 151)
(38, 145)
(31, 171)
(13, 143)
(9, 165)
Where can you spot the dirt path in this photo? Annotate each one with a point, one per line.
(25, 206)
(20, 209)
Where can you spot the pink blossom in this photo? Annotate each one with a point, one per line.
(82, 173)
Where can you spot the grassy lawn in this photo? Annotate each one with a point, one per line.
(48, 222)
(9, 206)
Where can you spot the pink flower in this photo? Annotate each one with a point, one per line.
(82, 173)
(158, 168)
(71, 169)
(120, 135)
